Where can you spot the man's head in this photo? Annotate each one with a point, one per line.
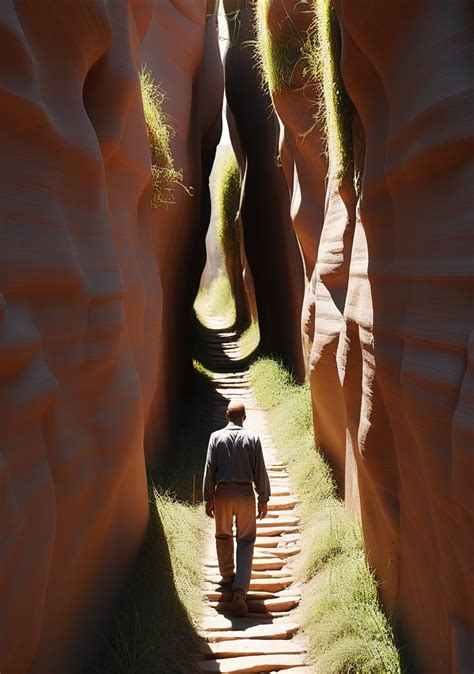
(236, 412)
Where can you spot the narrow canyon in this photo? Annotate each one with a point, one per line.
(352, 129)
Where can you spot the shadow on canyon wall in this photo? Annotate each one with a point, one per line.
(372, 297)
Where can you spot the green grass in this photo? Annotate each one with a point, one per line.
(154, 629)
(277, 58)
(216, 300)
(323, 51)
(227, 195)
(348, 631)
(319, 52)
(161, 606)
(159, 136)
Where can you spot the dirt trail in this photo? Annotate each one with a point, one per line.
(267, 640)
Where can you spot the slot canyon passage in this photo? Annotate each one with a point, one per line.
(257, 199)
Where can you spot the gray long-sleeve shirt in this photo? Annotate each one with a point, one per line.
(235, 454)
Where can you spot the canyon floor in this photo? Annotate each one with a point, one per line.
(269, 639)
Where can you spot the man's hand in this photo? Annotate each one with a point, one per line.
(262, 510)
(210, 508)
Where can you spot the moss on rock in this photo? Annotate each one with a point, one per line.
(335, 109)
(159, 135)
(277, 57)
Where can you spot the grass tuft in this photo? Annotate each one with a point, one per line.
(155, 624)
(335, 110)
(216, 300)
(347, 629)
(161, 606)
(227, 192)
(277, 58)
(159, 136)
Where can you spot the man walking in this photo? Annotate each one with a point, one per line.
(234, 464)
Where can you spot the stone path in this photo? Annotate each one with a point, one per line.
(268, 639)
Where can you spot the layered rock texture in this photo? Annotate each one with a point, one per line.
(88, 277)
(391, 359)
(181, 51)
(96, 287)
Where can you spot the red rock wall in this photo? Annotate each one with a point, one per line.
(409, 314)
(181, 50)
(301, 146)
(94, 288)
(391, 308)
(270, 244)
(79, 319)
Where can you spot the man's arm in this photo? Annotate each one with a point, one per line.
(262, 483)
(208, 482)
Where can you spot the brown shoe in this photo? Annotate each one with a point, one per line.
(239, 605)
(227, 580)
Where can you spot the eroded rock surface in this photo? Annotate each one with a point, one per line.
(270, 243)
(79, 320)
(409, 316)
(96, 289)
(393, 329)
(389, 314)
(181, 50)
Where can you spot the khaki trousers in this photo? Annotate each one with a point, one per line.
(237, 500)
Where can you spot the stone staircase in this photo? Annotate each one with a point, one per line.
(269, 639)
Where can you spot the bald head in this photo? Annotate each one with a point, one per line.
(236, 412)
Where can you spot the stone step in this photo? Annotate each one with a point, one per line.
(276, 630)
(262, 584)
(288, 538)
(226, 596)
(283, 520)
(250, 663)
(240, 647)
(266, 541)
(268, 564)
(276, 531)
(280, 491)
(256, 616)
(282, 503)
(290, 551)
(281, 603)
(258, 554)
(258, 564)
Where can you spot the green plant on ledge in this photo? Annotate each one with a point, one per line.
(159, 135)
(277, 58)
(335, 109)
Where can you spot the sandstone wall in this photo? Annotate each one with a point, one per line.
(270, 244)
(389, 311)
(96, 296)
(409, 316)
(79, 321)
(181, 50)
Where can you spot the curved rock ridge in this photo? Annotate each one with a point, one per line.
(270, 244)
(409, 316)
(80, 316)
(389, 316)
(181, 50)
(302, 147)
(96, 299)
